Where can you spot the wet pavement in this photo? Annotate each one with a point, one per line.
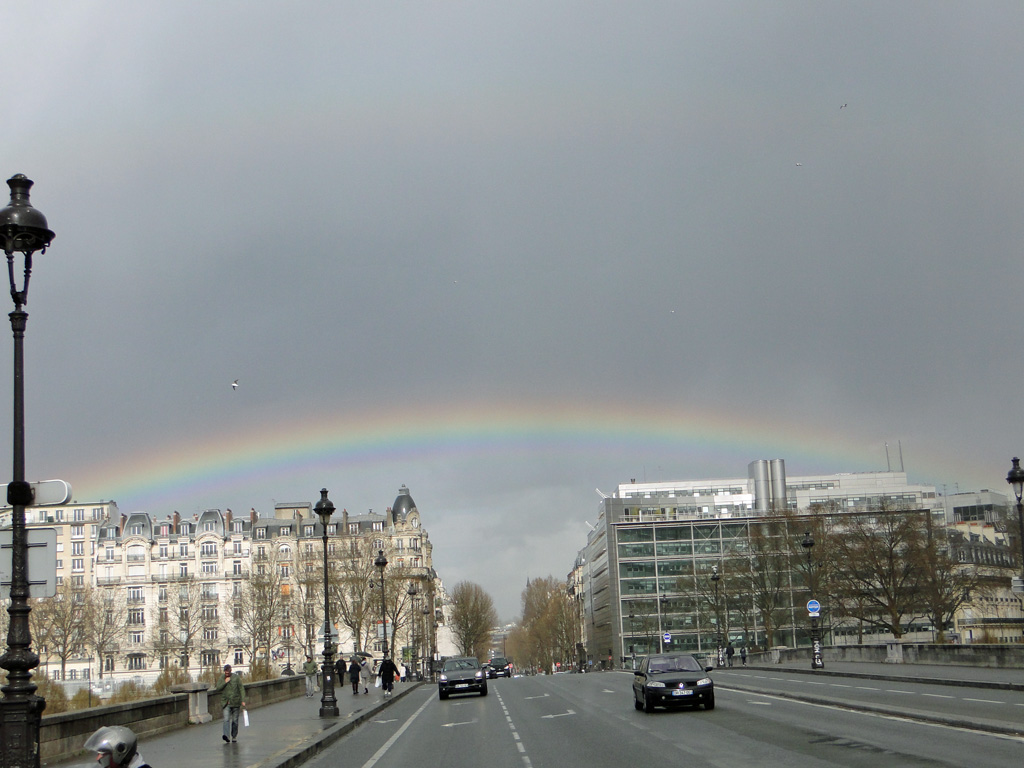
(279, 735)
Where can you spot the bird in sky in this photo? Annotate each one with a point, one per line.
(799, 165)
(843, 106)
(234, 384)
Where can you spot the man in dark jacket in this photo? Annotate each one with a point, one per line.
(353, 674)
(387, 671)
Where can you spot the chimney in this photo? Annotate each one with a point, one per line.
(227, 520)
(253, 517)
(120, 526)
(177, 521)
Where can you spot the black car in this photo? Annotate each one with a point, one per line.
(462, 674)
(672, 680)
(499, 667)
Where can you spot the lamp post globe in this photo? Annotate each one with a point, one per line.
(382, 562)
(23, 229)
(328, 703)
(1016, 479)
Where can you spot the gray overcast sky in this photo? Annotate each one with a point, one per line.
(506, 253)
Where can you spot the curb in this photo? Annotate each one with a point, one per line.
(896, 678)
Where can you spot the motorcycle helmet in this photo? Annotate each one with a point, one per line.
(114, 745)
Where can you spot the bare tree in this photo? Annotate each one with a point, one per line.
(63, 618)
(472, 619)
(948, 584)
(353, 579)
(184, 608)
(883, 580)
(105, 618)
(261, 606)
(307, 596)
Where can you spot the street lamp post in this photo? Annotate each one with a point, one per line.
(328, 703)
(812, 605)
(662, 605)
(23, 230)
(1016, 479)
(382, 562)
(632, 644)
(720, 653)
(413, 591)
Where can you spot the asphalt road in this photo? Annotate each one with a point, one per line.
(572, 721)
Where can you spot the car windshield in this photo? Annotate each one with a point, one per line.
(453, 664)
(498, 661)
(675, 664)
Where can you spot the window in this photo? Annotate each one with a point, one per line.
(210, 634)
(109, 553)
(136, 661)
(162, 594)
(208, 549)
(237, 526)
(307, 530)
(236, 613)
(209, 613)
(209, 591)
(209, 526)
(211, 658)
(236, 568)
(137, 616)
(332, 529)
(378, 526)
(135, 594)
(239, 656)
(183, 570)
(137, 529)
(183, 550)
(165, 530)
(186, 529)
(286, 530)
(135, 638)
(97, 513)
(261, 533)
(78, 531)
(78, 515)
(163, 551)
(78, 565)
(78, 548)
(209, 567)
(285, 570)
(353, 529)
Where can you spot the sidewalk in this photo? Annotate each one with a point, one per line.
(279, 735)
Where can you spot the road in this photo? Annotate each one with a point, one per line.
(572, 721)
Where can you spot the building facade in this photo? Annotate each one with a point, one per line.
(185, 586)
(648, 579)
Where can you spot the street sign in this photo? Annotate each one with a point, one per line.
(813, 606)
(42, 561)
(323, 632)
(667, 637)
(45, 493)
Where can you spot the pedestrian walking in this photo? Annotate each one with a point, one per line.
(116, 747)
(729, 653)
(353, 674)
(405, 672)
(309, 670)
(365, 673)
(232, 702)
(743, 654)
(388, 671)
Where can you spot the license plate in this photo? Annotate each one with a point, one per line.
(462, 685)
(684, 692)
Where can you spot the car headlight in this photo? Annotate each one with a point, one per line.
(479, 674)
(655, 684)
(704, 681)
(443, 678)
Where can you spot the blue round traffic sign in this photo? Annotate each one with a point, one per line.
(813, 606)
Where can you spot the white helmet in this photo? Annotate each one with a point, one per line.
(114, 744)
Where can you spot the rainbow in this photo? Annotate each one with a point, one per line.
(523, 432)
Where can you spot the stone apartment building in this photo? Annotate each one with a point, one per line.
(179, 582)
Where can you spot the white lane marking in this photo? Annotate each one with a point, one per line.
(937, 695)
(985, 701)
(396, 735)
(452, 725)
(544, 696)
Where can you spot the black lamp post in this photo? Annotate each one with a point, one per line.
(22, 230)
(812, 605)
(328, 703)
(382, 562)
(662, 605)
(719, 652)
(1016, 479)
(413, 591)
(632, 639)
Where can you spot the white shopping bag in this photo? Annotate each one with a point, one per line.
(245, 717)
(377, 683)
